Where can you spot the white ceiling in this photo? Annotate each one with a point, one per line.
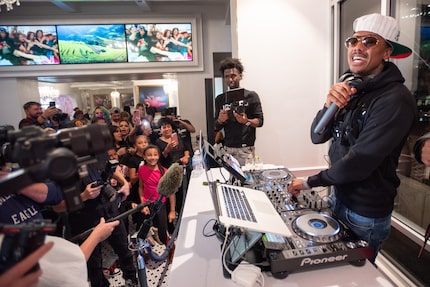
(47, 7)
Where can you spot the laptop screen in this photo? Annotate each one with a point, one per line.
(227, 161)
(233, 166)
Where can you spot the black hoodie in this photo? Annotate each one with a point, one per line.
(367, 138)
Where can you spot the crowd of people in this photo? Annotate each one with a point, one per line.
(142, 150)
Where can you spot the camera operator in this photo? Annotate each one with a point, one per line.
(32, 185)
(25, 207)
(239, 121)
(26, 204)
(53, 257)
(97, 197)
(35, 116)
(62, 119)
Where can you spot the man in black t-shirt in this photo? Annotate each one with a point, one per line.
(239, 120)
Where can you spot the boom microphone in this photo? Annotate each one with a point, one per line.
(123, 215)
(171, 181)
(355, 82)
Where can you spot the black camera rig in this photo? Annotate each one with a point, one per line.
(19, 240)
(108, 191)
(58, 157)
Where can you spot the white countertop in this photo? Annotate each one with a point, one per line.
(197, 259)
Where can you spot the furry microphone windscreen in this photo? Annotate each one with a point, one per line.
(171, 181)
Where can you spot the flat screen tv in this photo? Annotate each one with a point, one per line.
(159, 45)
(160, 42)
(88, 44)
(28, 45)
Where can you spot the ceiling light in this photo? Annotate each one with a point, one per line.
(9, 4)
(115, 94)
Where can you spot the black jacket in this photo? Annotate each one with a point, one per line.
(367, 138)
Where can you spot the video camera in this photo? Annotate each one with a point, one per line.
(240, 106)
(57, 157)
(58, 117)
(17, 241)
(237, 106)
(107, 191)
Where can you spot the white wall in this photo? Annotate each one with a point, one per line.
(285, 49)
(10, 103)
(14, 94)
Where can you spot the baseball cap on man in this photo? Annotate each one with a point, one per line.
(386, 27)
(115, 110)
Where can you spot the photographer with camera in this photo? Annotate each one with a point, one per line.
(26, 204)
(239, 120)
(50, 256)
(102, 200)
(48, 172)
(22, 210)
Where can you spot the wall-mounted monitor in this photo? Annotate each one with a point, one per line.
(87, 44)
(159, 42)
(28, 45)
(157, 45)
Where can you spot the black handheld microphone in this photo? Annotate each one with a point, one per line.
(355, 82)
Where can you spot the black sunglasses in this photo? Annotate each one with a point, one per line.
(367, 41)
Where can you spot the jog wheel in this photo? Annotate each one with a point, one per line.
(317, 227)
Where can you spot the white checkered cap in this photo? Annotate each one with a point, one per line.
(384, 26)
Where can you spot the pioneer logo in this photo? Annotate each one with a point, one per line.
(309, 261)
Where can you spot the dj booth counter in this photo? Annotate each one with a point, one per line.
(198, 262)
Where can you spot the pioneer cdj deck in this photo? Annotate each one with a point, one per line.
(319, 240)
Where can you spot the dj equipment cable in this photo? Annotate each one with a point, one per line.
(245, 274)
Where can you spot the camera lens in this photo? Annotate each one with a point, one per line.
(109, 192)
(87, 140)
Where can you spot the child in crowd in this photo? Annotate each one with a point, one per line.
(133, 161)
(149, 176)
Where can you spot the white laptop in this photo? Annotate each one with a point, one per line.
(262, 216)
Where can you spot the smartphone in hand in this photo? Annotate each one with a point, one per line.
(175, 138)
(145, 124)
(136, 117)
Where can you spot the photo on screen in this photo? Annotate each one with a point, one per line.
(88, 44)
(154, 97)
(28, 45)
(161, 42)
